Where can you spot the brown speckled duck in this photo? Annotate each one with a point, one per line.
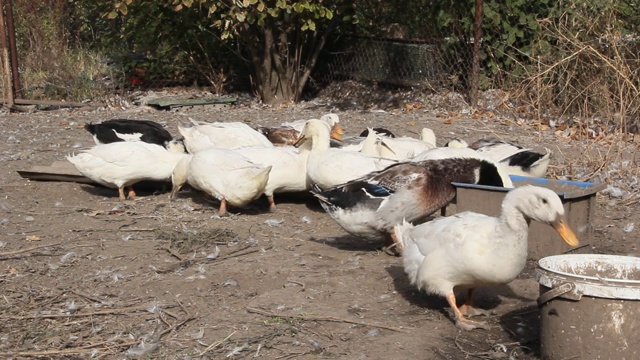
(369, 207)
(288, 133)
(281, 135)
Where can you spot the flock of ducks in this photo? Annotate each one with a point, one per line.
(375, 186)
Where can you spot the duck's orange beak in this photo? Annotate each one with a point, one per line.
(337, 132)
(566, 233)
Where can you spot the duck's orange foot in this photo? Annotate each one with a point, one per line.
(467, 325)
(272, 204)
(470, 311)
(462, 322)
(222, 210)
(392, 246)
(121, 194)
(132, 194)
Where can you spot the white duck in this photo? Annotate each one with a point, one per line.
(122, 164)
(220, 135)
(368, 145)
(224, 174)
(332, 120)
(405, 148)
(520, 160)
(468, 249)
(451, 152)
(288, 168)
(356, 143)
(328, 167)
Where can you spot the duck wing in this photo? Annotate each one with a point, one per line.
(280, 135)
(115, 130)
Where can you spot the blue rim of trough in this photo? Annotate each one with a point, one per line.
(564, 188)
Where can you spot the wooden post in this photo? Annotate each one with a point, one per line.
(475, 67)
(4, 58)
(13, 50)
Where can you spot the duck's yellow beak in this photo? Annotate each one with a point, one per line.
(566, 233)
(337, 132)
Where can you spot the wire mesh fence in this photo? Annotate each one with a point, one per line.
(389, 61)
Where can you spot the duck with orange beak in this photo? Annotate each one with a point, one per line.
(468, 250)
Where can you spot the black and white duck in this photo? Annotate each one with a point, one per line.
(116, 130)
(370, 206)
(519, 160)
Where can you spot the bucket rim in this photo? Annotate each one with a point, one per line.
(588, 285)
(544, 264)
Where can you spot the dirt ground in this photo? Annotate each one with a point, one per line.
(83, 274)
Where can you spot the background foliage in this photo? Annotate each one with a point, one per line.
(562, 58)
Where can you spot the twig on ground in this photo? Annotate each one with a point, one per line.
(172, 314)
(293, 355)
(183, 308)
(239, 253)
(16, 252)
(476, 130)
(493, 353)
(70, 351)
(174, 327)
(297, 283)
(122, 228)
(216, 344)
(89, 297)
(480, 354)
(322, 318)
(189, 262)
(173, 253)
(631, 202)
(131, 309)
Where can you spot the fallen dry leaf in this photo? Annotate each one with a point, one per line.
(447, 122)
(33, 238)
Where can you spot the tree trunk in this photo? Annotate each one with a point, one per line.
(282, 62)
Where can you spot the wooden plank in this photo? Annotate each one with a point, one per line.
(58, 171)
(65, 171)
(56, 103)
(164, 102)
(43, 176)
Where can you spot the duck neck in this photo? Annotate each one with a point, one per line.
(306, 147)
(514, 219)
(512, 247)
(180, 171)
(320, 142)
(369, 144)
